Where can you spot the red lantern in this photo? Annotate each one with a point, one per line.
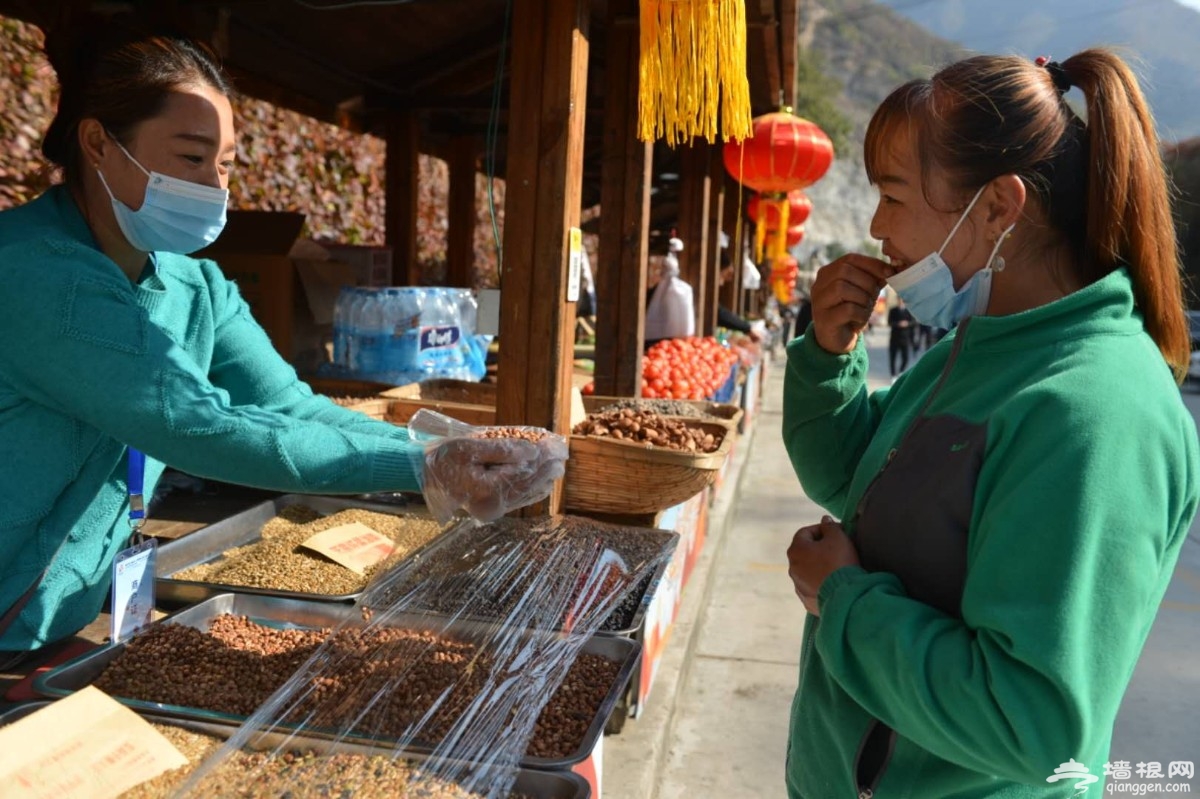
(799, 207)
(795, 235)
(784, 152)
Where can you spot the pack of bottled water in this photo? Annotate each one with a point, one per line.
(406, 334)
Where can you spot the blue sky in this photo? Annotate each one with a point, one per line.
(1190, 4)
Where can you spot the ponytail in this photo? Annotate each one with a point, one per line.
(1129, 218)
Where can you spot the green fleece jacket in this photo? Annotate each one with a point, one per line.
(174, 365)
(1018, 501)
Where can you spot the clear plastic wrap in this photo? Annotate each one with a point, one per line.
(484, 471)
(477, 698)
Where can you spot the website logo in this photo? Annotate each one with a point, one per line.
(1074, 770)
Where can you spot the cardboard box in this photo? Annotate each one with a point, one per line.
(253, 252)
(372, 265)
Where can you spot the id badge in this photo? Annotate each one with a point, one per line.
(133, 589)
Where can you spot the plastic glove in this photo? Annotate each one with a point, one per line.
(466, 469)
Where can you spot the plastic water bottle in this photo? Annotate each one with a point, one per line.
(342, 327)
(353, 311)
(468, 311)
(402, 319)
(441, 336)
(370, 330)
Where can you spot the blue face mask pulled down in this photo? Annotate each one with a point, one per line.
(927, 287)
(176, 215)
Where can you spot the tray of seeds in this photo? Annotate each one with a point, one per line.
(474, 596)
(219, 661)
(313, 767)
(259, 551)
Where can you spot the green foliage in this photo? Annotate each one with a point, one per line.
(816, 100)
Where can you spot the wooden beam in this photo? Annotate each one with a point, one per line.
(626, 174)
(542, 203)
(460, 237)
(402, 138)
(771, 51)
(731, 292)
(695, 186)
(789, 27)
(716, 216)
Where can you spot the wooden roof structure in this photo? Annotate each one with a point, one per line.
(551, 85)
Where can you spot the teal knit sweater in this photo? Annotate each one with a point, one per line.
(91, 364)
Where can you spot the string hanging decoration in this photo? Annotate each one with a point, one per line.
(692, 79)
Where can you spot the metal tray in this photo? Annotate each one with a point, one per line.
(18, 712)
(208, 543)
(534, 784)
(639, 615)
(82, 671)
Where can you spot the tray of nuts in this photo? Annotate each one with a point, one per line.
(474, 596)
(272, 764)
(219, 661)
(257, 551)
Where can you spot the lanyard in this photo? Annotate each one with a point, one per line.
(136, 483)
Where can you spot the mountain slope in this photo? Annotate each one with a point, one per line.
(1162, 34)
(868, 50)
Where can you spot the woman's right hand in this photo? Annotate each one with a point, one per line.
(843, 299)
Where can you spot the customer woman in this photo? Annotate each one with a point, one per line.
(1012, 507)
(112, 338)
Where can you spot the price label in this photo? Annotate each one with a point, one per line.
(576, 264)
(86, 746)
(354, 545)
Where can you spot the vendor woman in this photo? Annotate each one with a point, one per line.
(113, 341)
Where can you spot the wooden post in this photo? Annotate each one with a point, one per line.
(695, 185)
(402, 136)
(460, 236)
(544, 180)
(625, 179)
(731, 292)
(716, 217)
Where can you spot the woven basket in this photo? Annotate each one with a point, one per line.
(605, 475)
(473, 403)
(728, 415)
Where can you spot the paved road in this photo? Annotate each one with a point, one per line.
(717, 726)
(1160, 716)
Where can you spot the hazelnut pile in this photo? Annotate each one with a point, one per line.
(386, 682)
(642, 426)
(527, 433)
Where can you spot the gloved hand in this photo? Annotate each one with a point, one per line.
(486, 471)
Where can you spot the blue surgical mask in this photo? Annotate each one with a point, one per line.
(176, 215)
(927, 287)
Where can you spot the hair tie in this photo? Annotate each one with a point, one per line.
(1058, 75)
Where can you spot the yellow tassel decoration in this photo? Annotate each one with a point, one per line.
(692, 74)
(760, 240)
(779, 239)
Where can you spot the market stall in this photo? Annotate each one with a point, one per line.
(251, 577)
